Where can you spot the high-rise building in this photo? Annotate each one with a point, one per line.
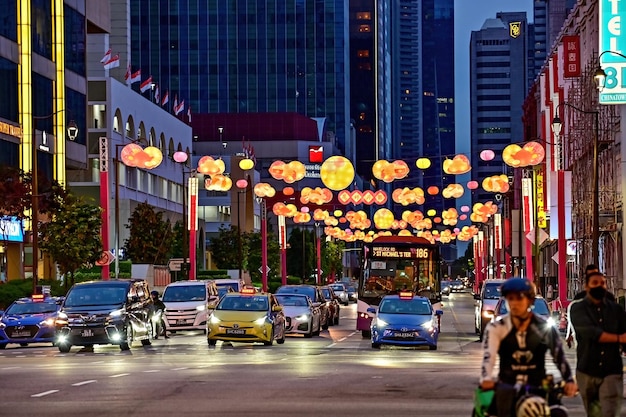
(548, 18)
(498, 84)
(248, 56)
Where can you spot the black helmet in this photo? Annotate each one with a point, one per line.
(518, 285)
(154, 293)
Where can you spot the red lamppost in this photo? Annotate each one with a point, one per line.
(264, 267)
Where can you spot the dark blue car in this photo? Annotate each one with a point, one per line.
(405, 320)
(29, 320)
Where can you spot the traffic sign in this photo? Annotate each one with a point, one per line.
(175, 264)
(106, 258)
(268, 269)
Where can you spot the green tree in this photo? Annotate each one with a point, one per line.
(301, 253)
(225, 248)
(72, 236)
(332, 257)
(151, 237)
(178, 239)
(254, 255)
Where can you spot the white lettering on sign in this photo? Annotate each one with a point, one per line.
(405, 253)
(312, 170)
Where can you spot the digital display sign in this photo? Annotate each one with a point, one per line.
(400, 252)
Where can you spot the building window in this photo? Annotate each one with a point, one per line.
(42, 101)
(365, 28)
(8, 86)
(8, 20)
(364, 16)
(41, 25)
(77, 105)
(363, 53)
(74, 41)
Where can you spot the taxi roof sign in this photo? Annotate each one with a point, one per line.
(248, 291)
(405, 295)
(37, 298)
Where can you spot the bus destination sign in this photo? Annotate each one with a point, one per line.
(399, 253)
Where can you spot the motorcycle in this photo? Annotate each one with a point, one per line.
(544, 401)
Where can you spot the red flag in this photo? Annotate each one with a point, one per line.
(136, 77)
(113, 62)
(106, 57)
(166, 98)
(128, 75)
(146, 85)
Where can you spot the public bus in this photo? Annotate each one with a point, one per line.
(392, 264)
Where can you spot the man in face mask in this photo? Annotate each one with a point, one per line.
(600, 326)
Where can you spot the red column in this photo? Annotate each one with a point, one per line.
(562, 243)
(319, 256)
(104, 202)
(192, 225)
(282, 240)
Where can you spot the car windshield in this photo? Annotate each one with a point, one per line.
(492, 291)
(326, 293)
(181, 293)
(456, 282)
(294, 289)
(540, 307)
(351, 289)
(100, 295)
(243, 303)
(292, 300)
(224, 287)
(19, 308)
(337, 287)
(397, 306)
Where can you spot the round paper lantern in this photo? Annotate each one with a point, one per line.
(383, 218)
(433, 190)
(457, 230)
(155, 157)
(288, 191)
(431, 212)
(437, 219)
(463, 217)
(465, 209)
(337, 213)
(487, 155)
(180, 157)
(304, 209)
(246, 164)
(405, 233)
(337, 173)
(423, 163)
(241, 184)
(472, 185)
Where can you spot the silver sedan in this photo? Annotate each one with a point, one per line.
(301, 316)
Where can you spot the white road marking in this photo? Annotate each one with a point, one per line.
(96, 362)
(342, 339)
(352, 334)
(331, 345)
(118, 375)
(42, 394)
(78, 384)
(152, 371)
(180, 369)
(10, 367)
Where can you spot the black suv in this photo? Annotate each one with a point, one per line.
(105, 312)
(317, 298)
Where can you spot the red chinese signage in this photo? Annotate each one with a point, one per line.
(571, 56)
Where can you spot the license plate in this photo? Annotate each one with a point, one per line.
(179, 322)
(20, 334)
(87, 333)
(404, 334)
(235, 331)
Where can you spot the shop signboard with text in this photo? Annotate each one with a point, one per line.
(612, 16)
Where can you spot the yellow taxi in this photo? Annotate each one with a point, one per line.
(247, 316)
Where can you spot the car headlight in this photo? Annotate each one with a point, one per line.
(428, 326)
(214, 320)
(2, 325)
(116, 313)
(62, 316)
(201, 308)
(488, 314)
(302, 317)
(48, 322)
(381, 323)
(260, 321)
(551, 321)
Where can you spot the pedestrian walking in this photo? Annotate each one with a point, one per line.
(569, 331)
(550, 292)
(600, 327)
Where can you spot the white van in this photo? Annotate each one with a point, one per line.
(187, 304)
(228, 285)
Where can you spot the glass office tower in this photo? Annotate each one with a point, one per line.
(241, 56)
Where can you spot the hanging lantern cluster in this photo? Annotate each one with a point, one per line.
(516, 156)
(282, 209)
(453, 191)
(481, 212)
(389, 171)
(406, 196)
(368, 197)
(263, 190)
(460, 164)
(133, 155)
(496, 184)
(214, 168)
(316, 195)
(288, 172)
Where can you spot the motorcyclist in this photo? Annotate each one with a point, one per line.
(520, 339)
(158, 306)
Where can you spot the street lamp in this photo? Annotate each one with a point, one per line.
(241, 184)
(181, 158)
(318, 249)
(72, 133)
(599, 74)
(557, 126)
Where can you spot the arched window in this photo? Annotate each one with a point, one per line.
(130, 128)
(117, 121)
